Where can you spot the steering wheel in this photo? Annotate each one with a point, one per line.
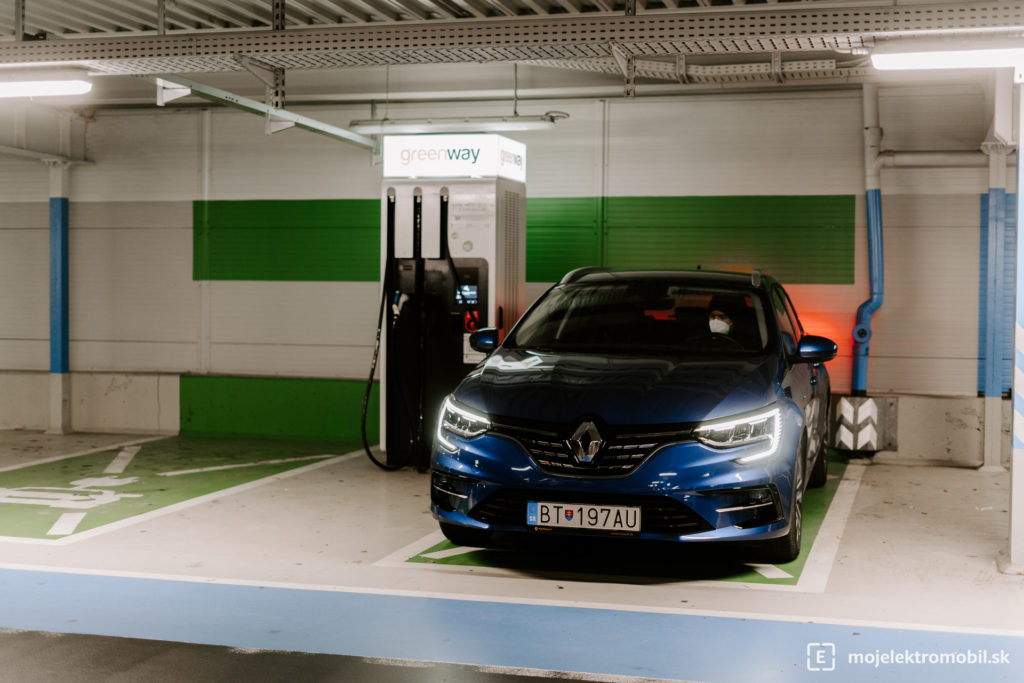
(716, 338)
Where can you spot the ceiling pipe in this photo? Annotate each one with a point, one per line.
(939, 159)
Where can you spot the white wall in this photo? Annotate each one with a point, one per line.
(136, 309)
(24, 273)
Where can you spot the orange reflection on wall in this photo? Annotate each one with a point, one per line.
(827, 325)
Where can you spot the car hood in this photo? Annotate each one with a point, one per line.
(564, 387)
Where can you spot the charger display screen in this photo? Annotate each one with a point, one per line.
(468, 295)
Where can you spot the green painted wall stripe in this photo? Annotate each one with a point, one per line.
(292, 240)
(807, 239)
(561, 234)
(799, 239)
(766, 212)
(294, 408)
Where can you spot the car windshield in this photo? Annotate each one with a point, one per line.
(644, 317)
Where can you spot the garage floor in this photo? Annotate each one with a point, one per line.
(308, 548)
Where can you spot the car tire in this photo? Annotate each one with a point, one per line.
(787, 548)
(463, 535)
(819, 471)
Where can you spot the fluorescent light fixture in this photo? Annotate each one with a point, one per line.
(34, 83)
(984, 58)
(457, 124)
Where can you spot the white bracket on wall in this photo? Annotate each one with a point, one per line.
(273, 78)
(230, 99)
(681, 70)
(168, 92)
(777, 67)
(1001, 87)
(627, 65)
(161, 17)
(19, 20)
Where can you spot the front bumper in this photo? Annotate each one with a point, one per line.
(686, 492)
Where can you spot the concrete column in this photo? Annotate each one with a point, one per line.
(995, 287)
(1012, 561)
(60, 378)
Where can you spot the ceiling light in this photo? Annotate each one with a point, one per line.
(985, 58)
(457, 124)
(43, 83)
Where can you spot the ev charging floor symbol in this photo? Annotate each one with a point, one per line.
(83, 494)
(76, 496)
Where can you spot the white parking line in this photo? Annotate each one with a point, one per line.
(119, 463)
(66, 524)
(451, 552)
(823, 553)
(400, 557)
(279, 461)
(65, 456)
(462, 596)
(770, 571)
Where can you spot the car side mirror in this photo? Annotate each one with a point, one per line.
(814, 349)
(484, 340)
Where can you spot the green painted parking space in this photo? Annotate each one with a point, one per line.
(676, 563)
(61, 498)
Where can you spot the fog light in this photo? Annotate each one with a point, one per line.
(751, 507)
(449, 492)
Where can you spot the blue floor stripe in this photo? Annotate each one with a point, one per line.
(484, 633)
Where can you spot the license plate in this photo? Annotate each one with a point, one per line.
(579, 516)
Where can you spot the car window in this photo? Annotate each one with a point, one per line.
(791, 312)
(788, 323)
(645, 316)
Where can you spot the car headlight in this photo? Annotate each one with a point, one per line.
(763, 427)
(457, 419)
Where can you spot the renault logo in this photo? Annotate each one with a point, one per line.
(585, 442)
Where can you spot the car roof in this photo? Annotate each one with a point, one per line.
(711, 277)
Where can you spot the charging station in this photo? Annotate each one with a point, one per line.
(453, 260)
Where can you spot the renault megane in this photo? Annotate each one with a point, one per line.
(679, 406)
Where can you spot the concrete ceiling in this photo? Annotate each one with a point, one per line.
(685, 44)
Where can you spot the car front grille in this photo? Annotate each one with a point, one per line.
(658, 514)
(621, 453)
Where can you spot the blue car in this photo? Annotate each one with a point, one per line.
(670, 406)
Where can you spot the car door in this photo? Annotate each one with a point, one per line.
(807, 387)
(798, 378)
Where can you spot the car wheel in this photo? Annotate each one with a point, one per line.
(819, 471)
(463, 535)
(787, 548)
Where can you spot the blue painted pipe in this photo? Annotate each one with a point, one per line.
(59, 285)
(876, 262)
(995, 284)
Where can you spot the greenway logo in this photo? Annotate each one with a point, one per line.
(453, 156)
(511, 159)
(469, 154)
